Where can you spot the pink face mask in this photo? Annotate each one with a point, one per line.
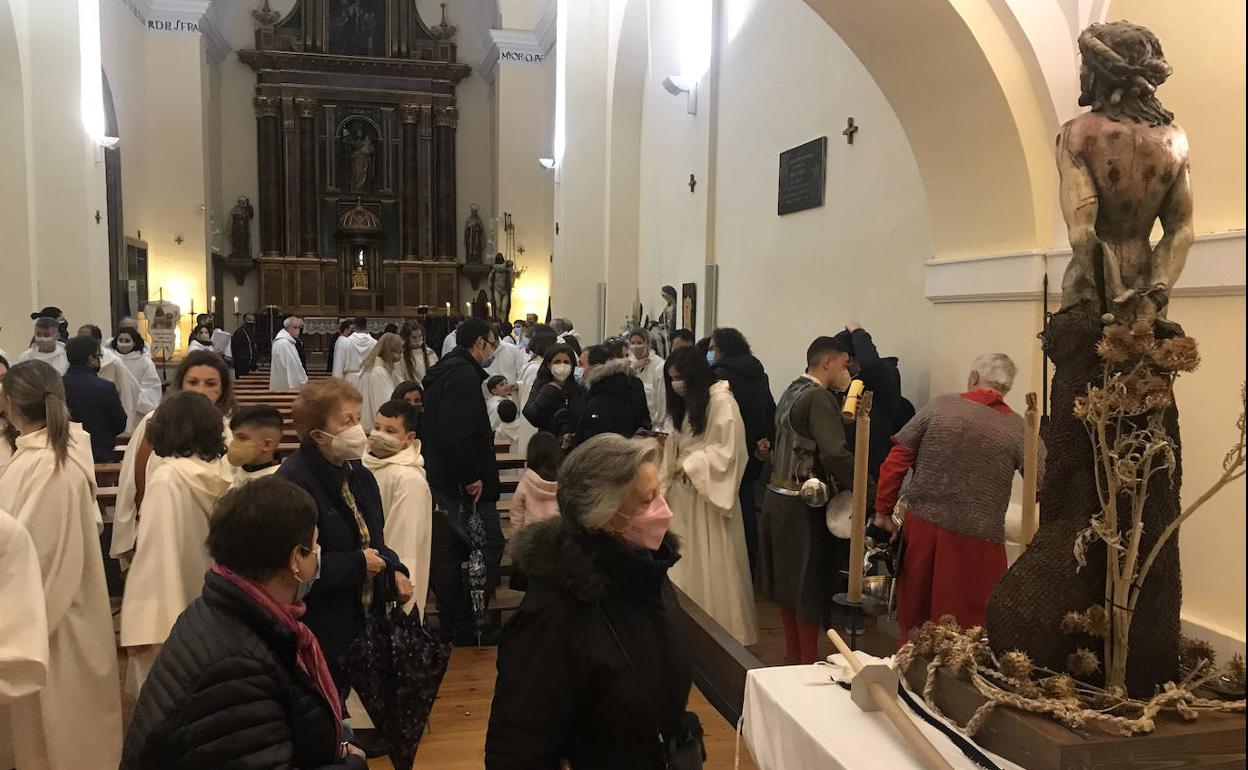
(646, 529)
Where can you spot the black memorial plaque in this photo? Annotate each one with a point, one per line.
(803, 176)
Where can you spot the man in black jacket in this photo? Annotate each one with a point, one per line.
(462, 469)
(616, 401)
(735, 363)
(243, 346)
(93, 401)
(880, 376)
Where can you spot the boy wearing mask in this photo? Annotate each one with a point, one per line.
(257, 431)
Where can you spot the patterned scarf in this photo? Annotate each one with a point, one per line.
(308, 651)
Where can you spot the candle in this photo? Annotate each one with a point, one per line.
(467, 309)
(236, 306)
(448, 310)
(212, 304)
(858, 522)
(489, 309)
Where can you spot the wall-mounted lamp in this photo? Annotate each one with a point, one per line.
(547, 162)
(677, 85)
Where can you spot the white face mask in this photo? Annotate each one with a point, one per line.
(640, 350)
(45, 344)
(124, 346)
(561, 372)
(679, 387)
(350, 444)
(383, 444)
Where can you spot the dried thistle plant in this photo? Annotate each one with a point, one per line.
(1124, 415)
(1083, 663)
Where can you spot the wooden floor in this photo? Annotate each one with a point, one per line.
(455, 739)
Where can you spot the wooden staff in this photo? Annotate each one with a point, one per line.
(1031, 462)
(858, 520)
(927, 754)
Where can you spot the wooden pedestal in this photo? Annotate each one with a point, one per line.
(1215, 740)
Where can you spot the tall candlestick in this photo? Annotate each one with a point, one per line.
(236, 306)
(858, 522)
(1031, 462)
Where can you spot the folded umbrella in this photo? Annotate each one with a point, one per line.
(396, 667)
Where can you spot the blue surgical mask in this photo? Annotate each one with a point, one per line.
(578, 373)
(488, 362)
(301, 592)
(710, 357)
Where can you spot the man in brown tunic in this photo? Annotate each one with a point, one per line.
(799, 561)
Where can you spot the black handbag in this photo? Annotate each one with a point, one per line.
(684, 751)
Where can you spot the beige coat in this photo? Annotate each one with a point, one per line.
(75, 721)
(408, 509)
(714, 569)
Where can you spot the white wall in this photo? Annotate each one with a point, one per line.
(784, 280)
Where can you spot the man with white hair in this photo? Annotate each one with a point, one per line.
(964, 450)
(285, 370)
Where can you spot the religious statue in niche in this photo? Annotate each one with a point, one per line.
(1123, 166)
(359, 159)
(661, 329)
(689, 307)
(356, 27)
(240, 228)
(474, 237)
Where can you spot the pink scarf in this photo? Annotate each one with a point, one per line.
(308, 651)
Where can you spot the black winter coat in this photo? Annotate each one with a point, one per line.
(226, 692)
(564, 689)
(616, 402)
(553, 409)
(335, 611)
(752, 390)
(880, 376)
(458, 443)
(93, 401)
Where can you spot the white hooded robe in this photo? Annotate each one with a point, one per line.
(349, 358)
(167, 570)
(651, 376)
(24, 622)
(56, 359)
(140, 364)
(114, 369)
(75, 720)
(714, 569)
(286, 372)
(407, 505)
(375, 386)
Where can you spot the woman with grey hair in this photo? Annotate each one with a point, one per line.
(592, 668)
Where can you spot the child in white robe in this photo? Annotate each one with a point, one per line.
(49, 488)
(376, 378)
(167, 570)
(406, 502)
(257, 431)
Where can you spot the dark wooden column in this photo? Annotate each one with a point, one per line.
(308, 237)
(444, 168)
(424, 182)
(291, 187)
(269, 154)
(410, 206)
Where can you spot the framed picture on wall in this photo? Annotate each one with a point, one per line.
(689, 307)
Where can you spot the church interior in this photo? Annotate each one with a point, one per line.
(792, 169)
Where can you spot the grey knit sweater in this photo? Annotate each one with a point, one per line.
(966, 455)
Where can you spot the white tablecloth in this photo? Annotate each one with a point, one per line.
(796, 718)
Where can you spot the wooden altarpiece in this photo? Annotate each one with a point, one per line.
(356, 119)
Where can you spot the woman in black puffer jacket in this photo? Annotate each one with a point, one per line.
(241, 682)
(557, 400)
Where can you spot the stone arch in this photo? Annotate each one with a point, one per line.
(979, 116)
(627, 79)
(17, 289)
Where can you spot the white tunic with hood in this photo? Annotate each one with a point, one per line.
(349, 356)
(114, 369)
(140, 364)
(56, 358)
(167, 571)
(24, 622)
(407, 506)
(75, 720)
(286, 372)
(375, 386)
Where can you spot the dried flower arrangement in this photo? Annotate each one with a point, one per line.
(1014, 680)
(1124, 415)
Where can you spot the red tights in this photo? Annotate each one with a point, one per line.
(801, 640)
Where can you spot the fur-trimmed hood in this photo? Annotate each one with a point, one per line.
(586, 565)
(612, 367)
